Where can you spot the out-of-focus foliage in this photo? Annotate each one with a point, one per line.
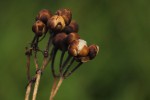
(121, 28)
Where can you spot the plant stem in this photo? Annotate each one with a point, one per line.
(61, 60)
(28, 91)
(53, 60)
(74, 69)
(53, 87)
(56, 86)
(68, 67)
(28, 67)
(38, 76)
(66, 62)
(36, 61)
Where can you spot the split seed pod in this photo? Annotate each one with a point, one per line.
(39, 28)
(93, 51)
(59, 41)
(44, 15)
(66, 14)
(78, 48)
(56, 23)
(72, 27)
(71, 37)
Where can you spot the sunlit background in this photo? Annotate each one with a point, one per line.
(121, 28)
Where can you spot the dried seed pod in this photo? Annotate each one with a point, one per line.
(66, 14)
(93, 51)
(78, 48)
(39, 28)
(59, 41)
(72, 27)
(44, 15)
(56, 23)
(71, 37)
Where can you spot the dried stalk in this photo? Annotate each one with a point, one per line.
(28, 67)
(55, 87)
(36, 85)
(28, 91)
(58, 85)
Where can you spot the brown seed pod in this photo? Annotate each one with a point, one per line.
(56, 23)
(59, 41)
(39, 28)
(71, 37)
(78, 48)
(93, 51)
(72, 27)
(44, 15)
(66, 14)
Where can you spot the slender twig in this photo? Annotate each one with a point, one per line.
(68, 67)
(73, 70)
(61, 60)
(66, 62)
(36, 61)
(28, 67)
(42, 38)
(28, 54)
(57, 87)
(49, 42)
(53, 87)
(38, 76)
(32, 43)
(48, 60)
(28, 90)
(53, 60)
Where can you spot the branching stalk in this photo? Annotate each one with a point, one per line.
(56, 86)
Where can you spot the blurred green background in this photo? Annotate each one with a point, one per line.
(121, 28)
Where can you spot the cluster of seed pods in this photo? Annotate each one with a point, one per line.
(63, 37)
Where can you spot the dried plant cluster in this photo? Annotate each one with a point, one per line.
(63, 37)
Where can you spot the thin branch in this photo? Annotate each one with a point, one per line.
(49, 43)
(32, 43)
(38, 76)
(68, 67)
(66, 62)
(56, 89)
(28, 54)
(36, 61)
(42, 38)
(53, 87)
(28, 90)
(74, 69)
(28, 66)
(53, 60)
(61, 60)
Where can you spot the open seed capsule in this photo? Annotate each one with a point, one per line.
(56, 23)
(78, 48)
